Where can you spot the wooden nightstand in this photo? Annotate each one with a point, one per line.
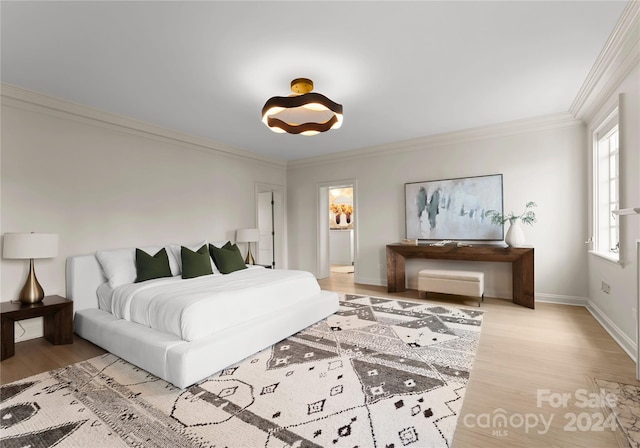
(58, 321)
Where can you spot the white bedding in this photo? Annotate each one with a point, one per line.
(196, 308)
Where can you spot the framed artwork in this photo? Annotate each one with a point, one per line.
(454, 209)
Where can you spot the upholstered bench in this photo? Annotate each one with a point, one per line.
(462, 283)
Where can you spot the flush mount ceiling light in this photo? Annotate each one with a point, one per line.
(303, 112)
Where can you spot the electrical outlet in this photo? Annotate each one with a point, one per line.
(605, 288)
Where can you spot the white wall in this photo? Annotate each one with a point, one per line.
(103, 185)
(542, 160)
(615, 309)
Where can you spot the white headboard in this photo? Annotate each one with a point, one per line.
(84, 275)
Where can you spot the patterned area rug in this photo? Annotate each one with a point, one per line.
(378, 373)
(626, 408)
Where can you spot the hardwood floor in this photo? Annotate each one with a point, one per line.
(38, 355)
(554, 349)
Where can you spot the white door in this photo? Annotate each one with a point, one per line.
(265, 226)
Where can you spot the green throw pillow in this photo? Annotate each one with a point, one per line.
(195, 264)
(152, 266)
(228, 260)
(228, 245)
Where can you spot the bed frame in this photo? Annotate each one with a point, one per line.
(167, 356)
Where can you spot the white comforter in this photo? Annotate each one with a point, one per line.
(198, 307)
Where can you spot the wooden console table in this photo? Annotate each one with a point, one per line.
(521, 260)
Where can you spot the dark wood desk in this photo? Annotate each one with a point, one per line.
(56, 311)
(521, 260)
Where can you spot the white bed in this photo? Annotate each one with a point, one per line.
(229, 336)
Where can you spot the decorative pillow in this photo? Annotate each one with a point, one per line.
(228, 260)
(220, 245)
(195, 264)
(177, 252)
(119, 265)
(229, 246)
(149, 267)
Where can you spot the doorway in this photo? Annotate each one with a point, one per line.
(271, 224)
(337, 230)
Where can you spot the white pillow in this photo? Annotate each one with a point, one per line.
(219, 244)
(119, 265)
(177, 253)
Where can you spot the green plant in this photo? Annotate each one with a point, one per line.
(527, 217)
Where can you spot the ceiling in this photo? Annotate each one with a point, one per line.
(402, 70)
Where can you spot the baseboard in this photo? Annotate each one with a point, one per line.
(32, 329)
(369, 281)
(562, 299)
(610, 327)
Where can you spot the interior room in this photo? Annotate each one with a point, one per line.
(318, 165)
(341, 235)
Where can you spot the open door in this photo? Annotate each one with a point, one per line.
(328, 222)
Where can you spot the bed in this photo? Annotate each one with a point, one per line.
(192, 334)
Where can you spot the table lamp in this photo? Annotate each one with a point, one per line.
(30, 246)
(248, 236)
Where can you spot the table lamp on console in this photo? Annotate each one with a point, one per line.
(248, 236)
(30, 246)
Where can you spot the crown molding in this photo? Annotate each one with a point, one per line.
(534, 124)
(619, 56)
(30, 100)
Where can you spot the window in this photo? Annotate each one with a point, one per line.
(606, 197)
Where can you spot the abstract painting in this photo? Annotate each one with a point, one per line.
(454, 209)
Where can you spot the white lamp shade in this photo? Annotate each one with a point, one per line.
(30, 245)
(247, 235)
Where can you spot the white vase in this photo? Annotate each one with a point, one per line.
(515, 235)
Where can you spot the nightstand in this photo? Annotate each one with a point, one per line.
(58, 321)
(268, 266)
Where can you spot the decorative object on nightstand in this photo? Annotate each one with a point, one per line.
(515, 235)
(248, 236)
(30, 246)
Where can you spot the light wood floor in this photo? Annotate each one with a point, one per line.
(522, 351)
(554, 347)
(38, 355)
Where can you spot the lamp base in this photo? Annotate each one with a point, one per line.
(249, 259)
(31, 292)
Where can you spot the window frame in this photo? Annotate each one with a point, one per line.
(601, 132)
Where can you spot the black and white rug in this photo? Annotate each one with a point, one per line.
(378, 373)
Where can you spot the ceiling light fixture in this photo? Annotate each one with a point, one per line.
(303, 112)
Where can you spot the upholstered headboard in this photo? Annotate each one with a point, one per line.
(84, 275)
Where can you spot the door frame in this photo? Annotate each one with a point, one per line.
(280, 221)
(323, 263)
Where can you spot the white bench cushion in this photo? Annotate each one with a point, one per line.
(452, 275)
(462, 283)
